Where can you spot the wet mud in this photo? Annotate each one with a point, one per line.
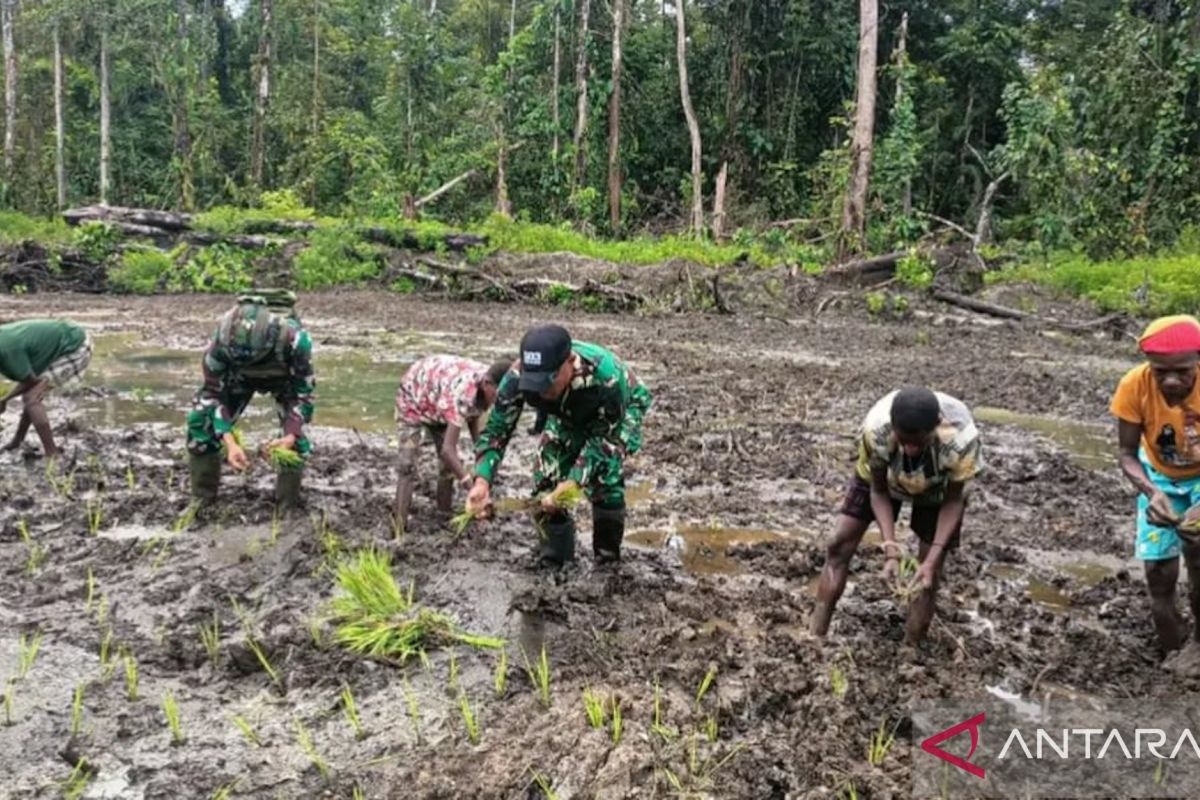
(748, 448)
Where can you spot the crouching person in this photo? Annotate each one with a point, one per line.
(260, 347)
(40, 355)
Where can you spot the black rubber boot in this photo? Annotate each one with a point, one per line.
(608, 529)
(444, 493)
(557, 533)
(206, 476)
(287, 488)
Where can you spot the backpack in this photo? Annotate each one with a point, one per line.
(254, 332)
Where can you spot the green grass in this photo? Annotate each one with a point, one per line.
(17, 227)
(373, 617)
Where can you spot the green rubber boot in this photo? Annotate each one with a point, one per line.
(287, 488)
(206, 476)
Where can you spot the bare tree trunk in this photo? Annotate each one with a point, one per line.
(854, 211)
(614, 122)
(718, 220)
(901, 58)
(8, 12)
(60, 172)
(554, 81)
(105, 113)
(983, 228)
(262, 98)
(581, 81)
(183, 133)
(697, 218)
(503, 204)
(316, 75)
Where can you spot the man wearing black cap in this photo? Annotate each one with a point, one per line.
(594, 406)
(918, 446)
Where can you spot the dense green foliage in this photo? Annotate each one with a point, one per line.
(1090, 106)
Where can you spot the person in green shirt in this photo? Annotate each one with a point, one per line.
(594, 407)
(40, 355)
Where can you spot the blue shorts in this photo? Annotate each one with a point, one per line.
(1155, 543)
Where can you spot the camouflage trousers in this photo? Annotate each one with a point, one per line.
(592, 460)
(201, 432)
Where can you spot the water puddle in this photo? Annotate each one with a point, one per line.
(1083, 574)
(1091, 446)
(704, 550)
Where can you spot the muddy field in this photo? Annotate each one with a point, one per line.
(747, 448)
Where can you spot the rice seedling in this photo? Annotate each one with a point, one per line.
(881, 744)
(357, 793)
(656, 725)
(618, 721)
(95, 515)
(539, 674)
(276, 527)
(284, 458)
(37, 553)
(130, 480)
(63, 485)
(131, 677)
(210, 638)
(90, 595)
(77, 710)
(452, 678)
(706, 684)
(711, 729)
(838, 682)
(10, 689)
(593, 706)
(164, 550)
(28, 647)
(170, 711)
(566, 500)
(107, 660)
(243, 616)
(374, 618)
(908, 567)
(423, 656)
(469, 719)
(500, 678)
(351, 710)
(102, 610)
(848, 792)
(226, 791)
(305, 741)
(77, 782)
(247, 730)
(261, 655)
(316, 631)
(414, 710)
(544, 785)
(186, 518)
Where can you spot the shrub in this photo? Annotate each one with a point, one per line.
(335, 257)
(141, 271)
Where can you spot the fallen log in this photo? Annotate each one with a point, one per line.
(119, 216)
(868, 268)
(283, 226)
(456, 242)
(247, 242)
(1114, 323)
(981, 306)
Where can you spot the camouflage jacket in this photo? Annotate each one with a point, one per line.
(604, 399)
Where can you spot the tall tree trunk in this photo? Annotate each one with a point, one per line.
(503, 204)
(901, 60)
(581, 82)
(183, 133)
(554, 80)
(262, 98)
(614, 122)
(105, 112)
(60, 170)
(8, 12)
(854, 210)
(316, 72)
(697, 217)
(718, 218)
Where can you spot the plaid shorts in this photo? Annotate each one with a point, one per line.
(71, 366)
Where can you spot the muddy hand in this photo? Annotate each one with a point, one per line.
(237, 457)
(282, 443)
(479, 499)
(891, 567)
(1161, 512)
(924, 577)
(550, 501)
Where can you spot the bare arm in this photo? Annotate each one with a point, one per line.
(949, 517)
(881, 507)
(1129, 439)
(449, 452)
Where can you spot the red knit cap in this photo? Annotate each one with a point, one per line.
(1170, 335)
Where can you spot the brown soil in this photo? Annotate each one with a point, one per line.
(751, 431)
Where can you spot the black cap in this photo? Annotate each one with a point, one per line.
(543, 351)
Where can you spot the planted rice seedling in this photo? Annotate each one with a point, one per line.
(90, 595)
(414, 710)
(276, 526)
(37, 553)
(305, 741)
(706, 684)
(618, 721)
(77, 782)
(131, 677)
(261, 655)
(95, 515)
(351, 710)
(107, 656)
(452, 677)
(544, 785)
(711, 729)
(539, 674)
(186, 518)
(374, 618)
(210, 638)
(357, 793)
(130, 480)
(593, 706)
(77, 710)
(469, 718)
(656, 725)
(170, 711)
(102, 610)
(500, 679)
(28, 647)
(881, 744)
(247, 730)
(226, 791)
(838, 682)
(9, 692)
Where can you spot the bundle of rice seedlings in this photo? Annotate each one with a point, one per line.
(284, 458)
(566, 500)
(373, 617)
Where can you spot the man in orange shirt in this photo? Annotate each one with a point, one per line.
(1157, 406)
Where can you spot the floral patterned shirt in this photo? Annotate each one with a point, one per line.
(439, 390)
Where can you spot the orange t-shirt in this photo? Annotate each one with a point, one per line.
(1170, 435)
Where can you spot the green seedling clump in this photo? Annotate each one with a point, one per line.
(28, 647)
(351, 709)
(539, 675)
(305, 740)
(171, 712)
(374, 618)
(469, 719)
(566, 500)
(284, 458)
(593, 706)
(247, 730)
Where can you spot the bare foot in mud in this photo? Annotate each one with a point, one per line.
(1185, 661)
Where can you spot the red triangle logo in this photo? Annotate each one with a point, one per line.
(930, 745)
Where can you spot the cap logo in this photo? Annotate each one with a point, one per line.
(533, 358)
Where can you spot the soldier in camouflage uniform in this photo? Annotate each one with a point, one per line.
(594, 407)
(260, 347)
